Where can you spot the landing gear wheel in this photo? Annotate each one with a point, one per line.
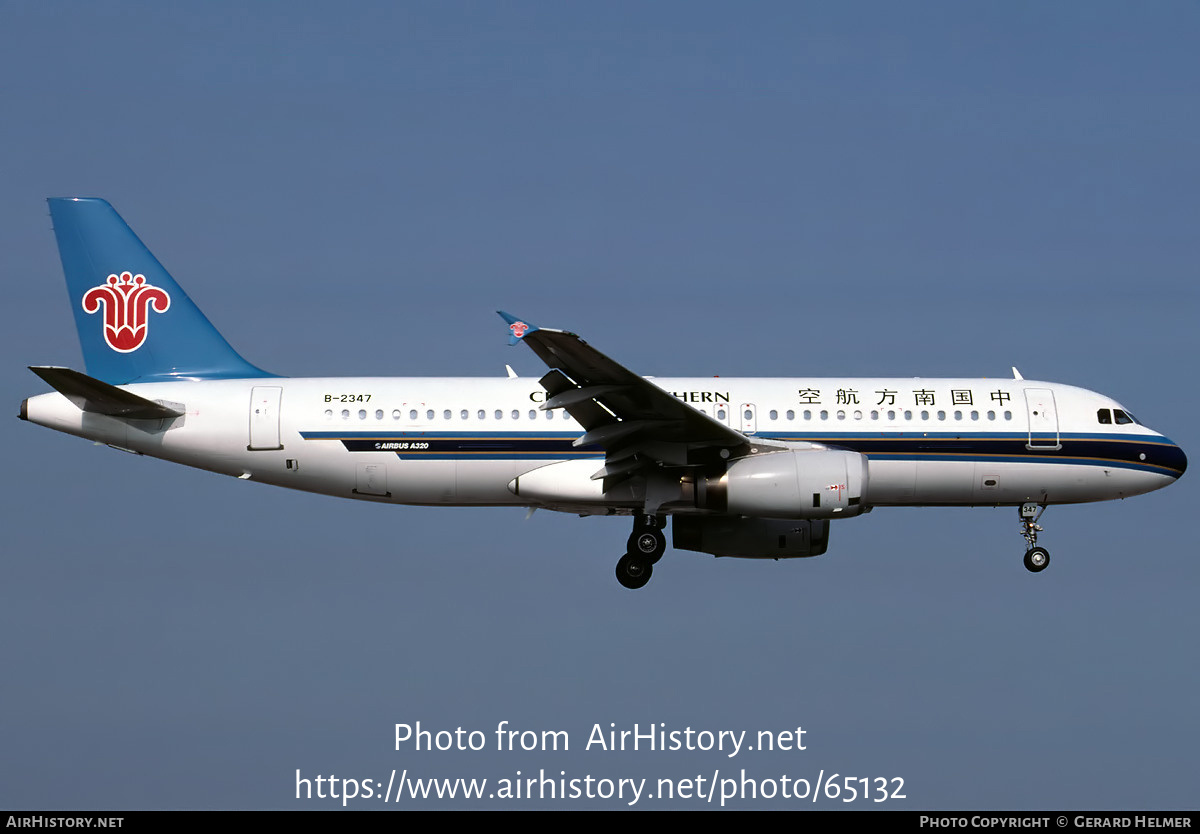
(648, 543)
(634, 571)
(1036, 559)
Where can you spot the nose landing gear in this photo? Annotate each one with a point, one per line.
(645, 547)
(1036, 558)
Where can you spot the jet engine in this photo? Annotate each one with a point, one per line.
(793, 483)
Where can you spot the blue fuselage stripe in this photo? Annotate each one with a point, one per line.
(1127, 451)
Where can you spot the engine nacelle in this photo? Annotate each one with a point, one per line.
(797, 483)
(751, 538)
(570, 482)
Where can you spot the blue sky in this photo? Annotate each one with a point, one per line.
(928, 189)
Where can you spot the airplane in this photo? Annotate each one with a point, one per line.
(752, 468)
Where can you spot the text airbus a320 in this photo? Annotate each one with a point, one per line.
(753, 468)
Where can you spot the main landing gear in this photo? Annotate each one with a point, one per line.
(645, 547)
(1036, 558)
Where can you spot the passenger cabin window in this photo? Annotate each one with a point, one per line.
(1104, 416)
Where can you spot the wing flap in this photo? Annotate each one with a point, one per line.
(586, 411)
(609, 436)
(577, 395)
(614, 466)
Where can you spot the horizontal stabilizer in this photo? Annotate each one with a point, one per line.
(101, 398)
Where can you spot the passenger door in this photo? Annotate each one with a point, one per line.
(1043, 419)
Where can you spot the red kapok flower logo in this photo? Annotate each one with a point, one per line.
(127, 300)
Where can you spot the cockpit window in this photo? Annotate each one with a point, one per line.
(1122, 418)
(1104, 416)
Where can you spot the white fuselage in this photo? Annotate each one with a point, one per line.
(450, 441)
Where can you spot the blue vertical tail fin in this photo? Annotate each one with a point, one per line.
(135, 323)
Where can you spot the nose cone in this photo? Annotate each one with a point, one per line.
(1172, 458)
(1180, 459)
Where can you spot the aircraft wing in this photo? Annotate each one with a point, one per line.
(634, 421)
